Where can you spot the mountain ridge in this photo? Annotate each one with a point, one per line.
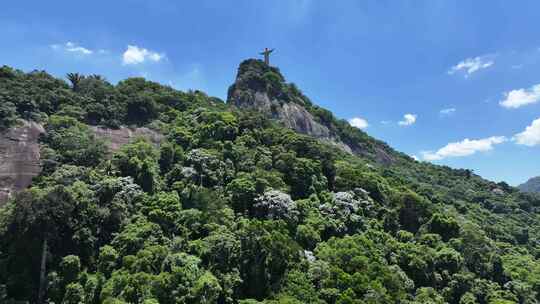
(252, 201)
(531, 185)
(263, 88)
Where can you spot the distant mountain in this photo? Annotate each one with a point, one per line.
(532, 185)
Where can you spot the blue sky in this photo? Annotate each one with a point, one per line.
(465, 72)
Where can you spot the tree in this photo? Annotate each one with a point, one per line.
(73, 142)
(140, 161)
(242, 191)
(70, 268)
(75, 79)
(40, 218)
(413, 211)
(8, 115)
(276, 205)
(170, 154)
(107, 260)
(74, 294)
(141, 109)
(297, 284)
(206, 289)
(267, 252)
(447, 227)
(428, 295)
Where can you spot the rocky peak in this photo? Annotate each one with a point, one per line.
(262, 88)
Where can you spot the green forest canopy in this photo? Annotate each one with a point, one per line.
(233, 208)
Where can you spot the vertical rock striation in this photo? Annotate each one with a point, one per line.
(19, 157)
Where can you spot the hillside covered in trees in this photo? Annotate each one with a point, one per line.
(237, 205)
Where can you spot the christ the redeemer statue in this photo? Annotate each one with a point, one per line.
(266, 54)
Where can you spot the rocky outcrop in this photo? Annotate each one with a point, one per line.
(262, 88)
(116, 138)
(254, 90)
(20, 158)
(291, 114)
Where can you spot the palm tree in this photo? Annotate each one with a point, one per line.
(75, 79)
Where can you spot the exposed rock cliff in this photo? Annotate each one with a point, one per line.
(20, 152)
(118, 137)
(262, 88)
(258, 87)
(19, 157)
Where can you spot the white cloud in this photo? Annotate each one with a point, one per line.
(408, 119)
(531, 136)
(464, 148)
(386, 122)
(448, 111)
(358, 122)
(521, 97)
(471, 65)
(72, 48)
(136, 55)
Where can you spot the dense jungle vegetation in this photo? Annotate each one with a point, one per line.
(232, 207)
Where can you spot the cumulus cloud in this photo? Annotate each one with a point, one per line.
(521, 97)
(358, 122)
(464, 148)
(72, 48)
(471, 65)
(137, 55)
(446, 112)
(408, 119)
(531, 136)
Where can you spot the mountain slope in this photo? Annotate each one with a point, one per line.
(532, 185)
(262, 88)
(264, 199)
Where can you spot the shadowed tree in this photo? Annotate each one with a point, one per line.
(75, 79)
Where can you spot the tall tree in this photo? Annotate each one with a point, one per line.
(75, 79)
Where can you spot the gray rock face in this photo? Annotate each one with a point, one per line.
(19, 157)
(291, 114)
(116, 138)
(256, 89)
(20, 152)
